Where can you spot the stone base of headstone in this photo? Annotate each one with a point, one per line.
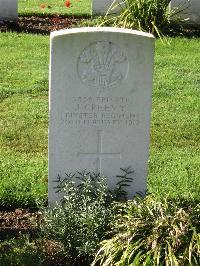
(9, 10)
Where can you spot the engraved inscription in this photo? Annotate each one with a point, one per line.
(102, 65)
(99, 155)
(100, 111)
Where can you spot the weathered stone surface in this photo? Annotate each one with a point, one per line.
(100, 7)
(8, 9)
(100, 103)
(190, 10)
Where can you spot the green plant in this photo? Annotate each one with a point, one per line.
(149, 232)
(82, 219)
(145, 15)
(20, 252)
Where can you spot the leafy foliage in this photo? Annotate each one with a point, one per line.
(152, 233)
(145, 15)
(82, 219)
(20, 252)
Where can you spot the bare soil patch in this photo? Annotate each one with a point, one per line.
(14, 223)
(40, 24)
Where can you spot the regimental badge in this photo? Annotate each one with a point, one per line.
(102, 65)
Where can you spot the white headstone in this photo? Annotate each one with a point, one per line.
(187, 9)
(8, 9)
(100, 7)
(100, 104)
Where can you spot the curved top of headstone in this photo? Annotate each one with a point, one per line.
(100, 29)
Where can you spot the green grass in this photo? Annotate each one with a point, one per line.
(23, 116)
(174, 166)
(78, 7)
(24, 61)
(175, 132)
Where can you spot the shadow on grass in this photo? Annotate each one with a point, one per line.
(185, 31)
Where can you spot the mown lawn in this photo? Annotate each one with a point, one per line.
(77, 7)
(174, 166)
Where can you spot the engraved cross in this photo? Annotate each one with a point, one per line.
(99, 155)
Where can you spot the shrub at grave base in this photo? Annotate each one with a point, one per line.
(83, 218)
(153, 233)
(146, 232)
